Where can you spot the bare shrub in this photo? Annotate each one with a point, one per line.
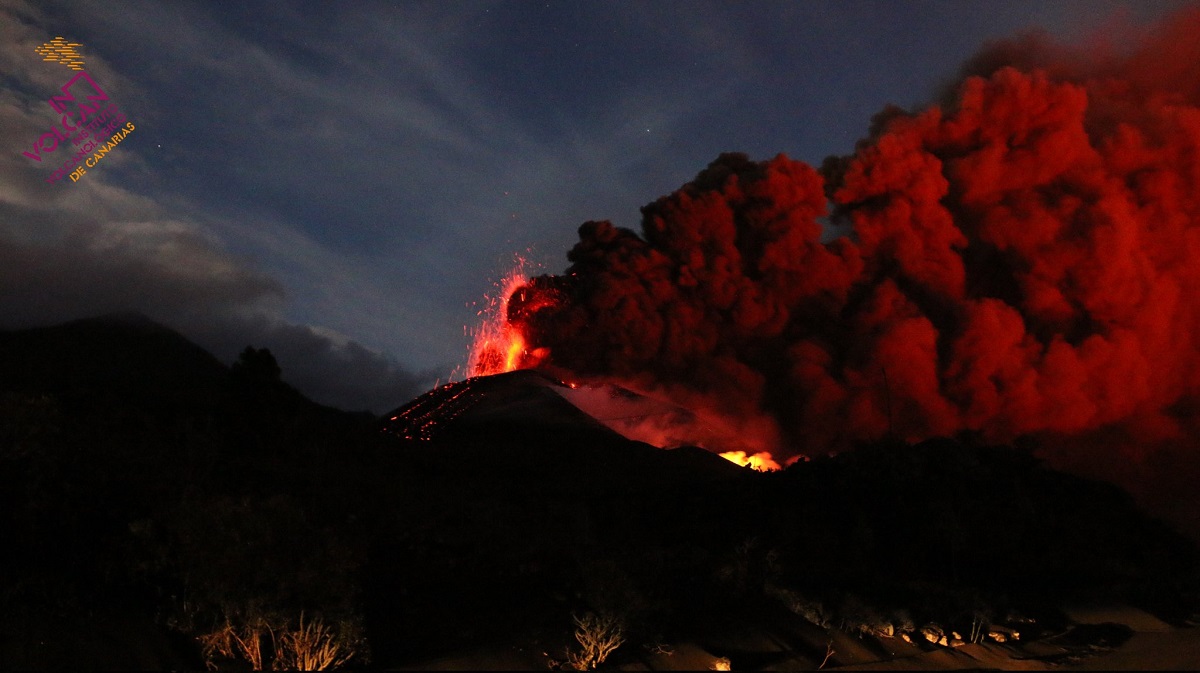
(979, 623)
(219, 643)
(829, 652)
(311, 647)
(659, 648)
(249, 643)
(598, 636)
(230, 642)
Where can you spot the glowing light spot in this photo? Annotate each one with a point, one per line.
(761, 461)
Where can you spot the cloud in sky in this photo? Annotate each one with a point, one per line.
(94, 245)
(97, 246)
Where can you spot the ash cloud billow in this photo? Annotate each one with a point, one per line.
(1021, 261)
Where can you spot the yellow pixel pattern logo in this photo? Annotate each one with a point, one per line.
(61, 51)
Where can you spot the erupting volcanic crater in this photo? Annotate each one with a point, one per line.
(659, 418)
(1013, 264)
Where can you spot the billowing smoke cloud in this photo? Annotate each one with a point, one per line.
(1020, 260)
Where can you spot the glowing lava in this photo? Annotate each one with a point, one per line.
(498, 345)
(761, 461)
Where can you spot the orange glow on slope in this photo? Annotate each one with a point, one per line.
(498, 345)
(761, 461)
(516, 350)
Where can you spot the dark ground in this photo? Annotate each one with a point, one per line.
(151, 494)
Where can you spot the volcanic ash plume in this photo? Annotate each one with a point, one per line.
(1019, 259)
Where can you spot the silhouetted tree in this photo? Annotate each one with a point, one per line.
(256, 365)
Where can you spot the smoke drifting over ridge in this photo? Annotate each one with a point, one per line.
(1022, 261)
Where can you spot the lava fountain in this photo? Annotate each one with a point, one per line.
(498, 343)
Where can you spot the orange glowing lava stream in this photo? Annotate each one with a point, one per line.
(761, 461)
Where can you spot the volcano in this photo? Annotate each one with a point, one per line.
(532, 427)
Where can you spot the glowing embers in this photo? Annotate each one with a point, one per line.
(498, 345)
(761, 461)
(423, 417)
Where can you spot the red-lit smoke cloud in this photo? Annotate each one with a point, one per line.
(1023, 260)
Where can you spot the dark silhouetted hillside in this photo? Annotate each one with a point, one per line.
(160, 502)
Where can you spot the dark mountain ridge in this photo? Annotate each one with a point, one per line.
(124, 355)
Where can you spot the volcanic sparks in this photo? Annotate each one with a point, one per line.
(499, 345)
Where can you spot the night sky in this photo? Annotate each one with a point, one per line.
(343, 182)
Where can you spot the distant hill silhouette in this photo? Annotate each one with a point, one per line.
(124, 355)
